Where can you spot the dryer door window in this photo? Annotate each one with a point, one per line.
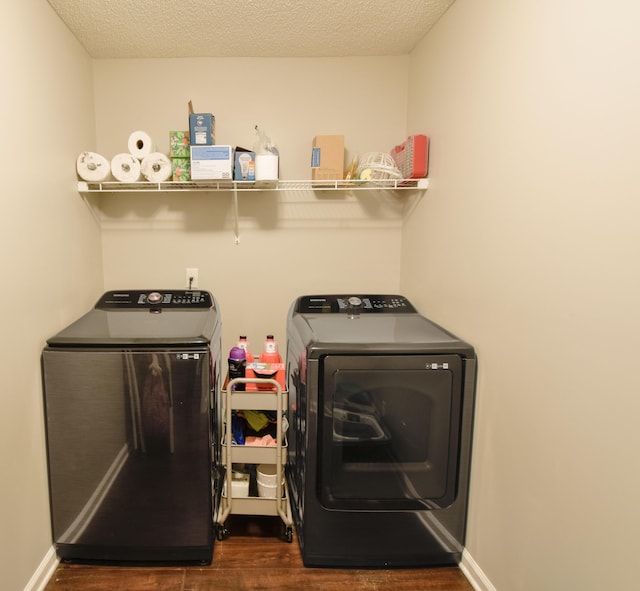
(389, 431)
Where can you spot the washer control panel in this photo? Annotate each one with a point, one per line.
(355, 304)
(175, 298)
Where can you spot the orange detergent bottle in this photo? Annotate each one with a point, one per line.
(244, 344)
(270, 351)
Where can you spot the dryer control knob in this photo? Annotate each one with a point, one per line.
(355, 301)
(154, 297)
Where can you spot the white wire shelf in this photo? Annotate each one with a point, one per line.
(225, 185)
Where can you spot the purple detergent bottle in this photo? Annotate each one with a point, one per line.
(237, 365)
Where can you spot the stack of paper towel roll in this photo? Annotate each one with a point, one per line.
(127, 167)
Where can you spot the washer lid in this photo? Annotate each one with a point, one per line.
(370, 324)
(406, 332)
(136, 319)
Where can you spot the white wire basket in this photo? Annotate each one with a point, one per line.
(374, 166)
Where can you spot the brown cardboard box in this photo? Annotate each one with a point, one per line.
(327, 157)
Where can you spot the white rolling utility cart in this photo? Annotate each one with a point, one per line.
(236, 500)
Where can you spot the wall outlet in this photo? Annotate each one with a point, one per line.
(191, 278)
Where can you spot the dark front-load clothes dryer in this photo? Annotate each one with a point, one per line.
(381, 407)
(129, 391)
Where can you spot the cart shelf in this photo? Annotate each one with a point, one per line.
(269, 397)
(255, 454)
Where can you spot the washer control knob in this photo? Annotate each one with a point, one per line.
(154, 297)
(355, 301)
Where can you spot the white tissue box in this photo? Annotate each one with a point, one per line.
(211, 162)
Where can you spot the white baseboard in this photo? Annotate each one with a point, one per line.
(479, 581)
(44, 571)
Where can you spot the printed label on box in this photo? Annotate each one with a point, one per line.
(315, 157)
(211, 162)
(245, 166)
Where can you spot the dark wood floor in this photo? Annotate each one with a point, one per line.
(253, 558)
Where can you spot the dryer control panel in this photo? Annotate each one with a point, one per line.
(179, 298)
(349, 304)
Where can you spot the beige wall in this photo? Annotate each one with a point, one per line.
(527, 245)
(290, 244)
(50, 254)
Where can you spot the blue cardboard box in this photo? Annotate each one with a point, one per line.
(202, 129)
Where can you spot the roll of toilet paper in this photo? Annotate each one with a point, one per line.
(92, 167)
(156, 167)
(266, 167)
(125, 168)
(140, 144)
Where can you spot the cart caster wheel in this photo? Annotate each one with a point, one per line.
(288, 534)
(222, 533)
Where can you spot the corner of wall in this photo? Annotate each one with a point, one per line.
(469, 567)
(44, 572)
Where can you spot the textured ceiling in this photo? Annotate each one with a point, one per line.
(248, 28)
